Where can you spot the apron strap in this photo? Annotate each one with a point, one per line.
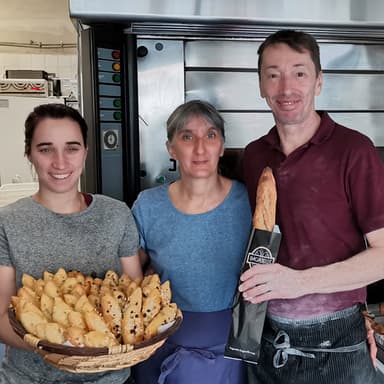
(284, 349)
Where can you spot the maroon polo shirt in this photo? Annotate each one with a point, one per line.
(330, 193)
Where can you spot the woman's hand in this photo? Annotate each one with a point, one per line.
(371, 340)
(7, 289)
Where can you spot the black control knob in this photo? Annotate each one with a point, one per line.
(142, 51)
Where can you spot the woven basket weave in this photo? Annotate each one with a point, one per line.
(88, 360)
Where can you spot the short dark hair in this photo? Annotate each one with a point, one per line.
(297, 40)
(51, 111)
(184, 112)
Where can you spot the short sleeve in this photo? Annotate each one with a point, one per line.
(4, 246)
(137, 210)
(366, 187)
(130, 241)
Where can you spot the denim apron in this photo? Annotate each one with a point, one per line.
(194, 354)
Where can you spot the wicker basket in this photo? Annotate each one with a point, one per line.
(88, 360)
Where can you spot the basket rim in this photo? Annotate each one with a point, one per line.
(88, 351)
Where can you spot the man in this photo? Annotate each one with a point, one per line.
(330, 184)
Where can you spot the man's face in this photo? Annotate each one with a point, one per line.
(289, 84)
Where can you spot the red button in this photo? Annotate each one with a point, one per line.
(116, 55)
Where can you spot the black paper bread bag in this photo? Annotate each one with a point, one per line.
(248, 319)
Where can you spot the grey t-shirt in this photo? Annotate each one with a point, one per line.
(34, 239)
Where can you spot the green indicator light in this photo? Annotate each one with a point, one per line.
(117, 103)
(160, 179)
(116, 78)
(117, 115)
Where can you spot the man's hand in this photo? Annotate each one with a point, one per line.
(271, 281)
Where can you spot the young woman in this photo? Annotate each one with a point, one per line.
(59, 227)
(195, 232)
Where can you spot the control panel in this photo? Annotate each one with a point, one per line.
(110, 121)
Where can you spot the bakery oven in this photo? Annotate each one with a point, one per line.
(141, 59)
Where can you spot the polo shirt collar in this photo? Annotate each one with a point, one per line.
(325, 130)
(327, 125)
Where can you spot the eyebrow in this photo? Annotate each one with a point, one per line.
(273, 66)
(49, 143)
(186, 130)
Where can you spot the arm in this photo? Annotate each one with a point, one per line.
(144, 259)
(131, 266)
(7, 289)
(146, 263)
(275, 281)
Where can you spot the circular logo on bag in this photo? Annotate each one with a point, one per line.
(260, 255)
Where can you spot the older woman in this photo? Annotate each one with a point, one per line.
(194, 232)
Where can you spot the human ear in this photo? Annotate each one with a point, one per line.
(319, 83)
(170, 150)
(262, 94)
(222, 150)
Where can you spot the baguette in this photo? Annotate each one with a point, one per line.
(266, 197)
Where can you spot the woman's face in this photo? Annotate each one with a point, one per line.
(58, 154)
(197, 147)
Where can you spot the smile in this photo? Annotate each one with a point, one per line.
(61, 176)
(287, 102)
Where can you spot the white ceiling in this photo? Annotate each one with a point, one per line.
(45, 21)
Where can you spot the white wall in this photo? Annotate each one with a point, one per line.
(14, 166)
(44, 21)
(38, 34)
(64, 65)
